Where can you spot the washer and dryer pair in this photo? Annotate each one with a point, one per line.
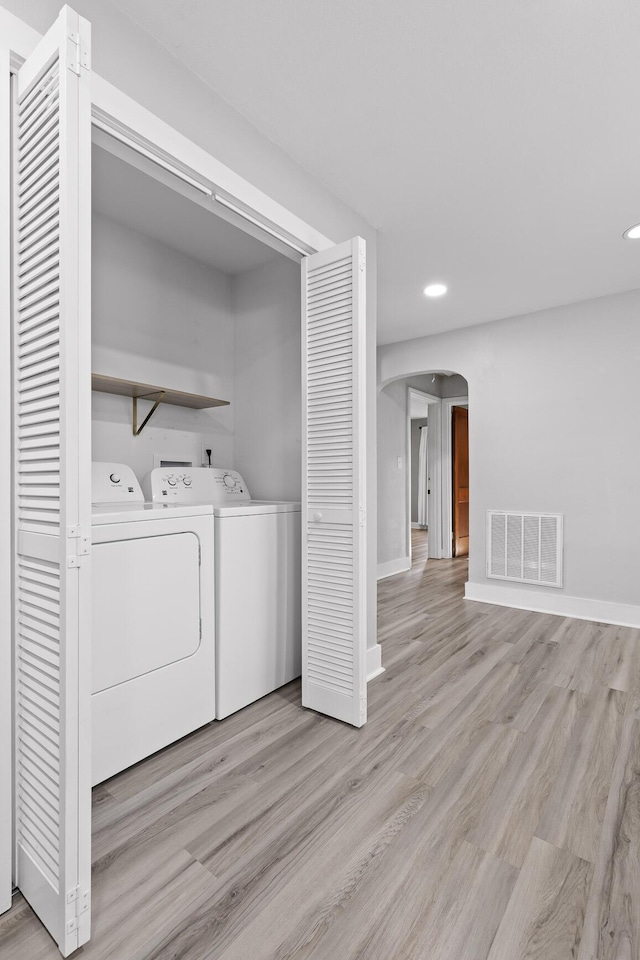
(196, 605)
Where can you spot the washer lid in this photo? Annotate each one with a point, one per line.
(132, 512)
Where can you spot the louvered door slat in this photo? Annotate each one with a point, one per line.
(52, 156)
(46, 95)
(334, 629)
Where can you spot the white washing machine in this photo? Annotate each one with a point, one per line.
(257, 581)
(153, 621)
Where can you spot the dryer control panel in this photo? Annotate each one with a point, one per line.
(216, 485)
(114, 483)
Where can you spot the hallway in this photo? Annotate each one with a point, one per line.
(489, 808)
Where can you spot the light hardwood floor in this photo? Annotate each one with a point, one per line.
(489, 809)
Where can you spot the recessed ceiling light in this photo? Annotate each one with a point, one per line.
(437, 289)
(633, 233)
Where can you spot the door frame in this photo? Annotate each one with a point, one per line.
(447, 478)
(436, 500)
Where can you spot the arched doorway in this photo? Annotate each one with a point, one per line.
(408, 408)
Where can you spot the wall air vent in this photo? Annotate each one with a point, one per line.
(526, 547)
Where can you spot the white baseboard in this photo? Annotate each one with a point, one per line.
(374, 662)
(579, 608)
(391, 567)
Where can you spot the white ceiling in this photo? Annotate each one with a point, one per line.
(494, 144)
(131, 197)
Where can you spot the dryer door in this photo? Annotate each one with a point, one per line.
(146, 605)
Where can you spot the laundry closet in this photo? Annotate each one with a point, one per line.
(194, 616)
(234, 327)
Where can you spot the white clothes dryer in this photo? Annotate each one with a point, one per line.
(153, 622)
(257, 581)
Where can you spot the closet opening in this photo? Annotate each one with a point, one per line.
(196, 313)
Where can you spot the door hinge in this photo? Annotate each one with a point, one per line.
(79, 545)
(81, 901)
(77, 53)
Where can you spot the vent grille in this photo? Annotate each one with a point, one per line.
(526, 547)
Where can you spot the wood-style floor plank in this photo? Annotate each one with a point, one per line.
(260, 904)
(544, 917)
(442, 747)
(489, 808)
(465, 912)
(612, 924)
(530, 686)
(574, 812)
(511, 813)
(424, 849)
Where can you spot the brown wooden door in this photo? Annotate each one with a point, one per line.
(460, 462)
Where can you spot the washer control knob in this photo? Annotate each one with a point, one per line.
(171, 481)
(229, 481)
(186, 481)
(114, 478)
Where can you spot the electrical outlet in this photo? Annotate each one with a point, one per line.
(204, 459)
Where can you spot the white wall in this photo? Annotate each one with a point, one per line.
(165, 319)
(267, 392)
(554, 410)
(129, 58)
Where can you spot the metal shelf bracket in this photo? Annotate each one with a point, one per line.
(137, 430)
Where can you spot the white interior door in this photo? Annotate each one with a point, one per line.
(334, 634)
(52, 497)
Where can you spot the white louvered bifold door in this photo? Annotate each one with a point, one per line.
(333, 485)
(52, 496)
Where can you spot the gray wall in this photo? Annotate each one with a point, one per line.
(415, 463)
(392, 479)
(267, 394)
(554, 407)
(163, 318)
(453, 386)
